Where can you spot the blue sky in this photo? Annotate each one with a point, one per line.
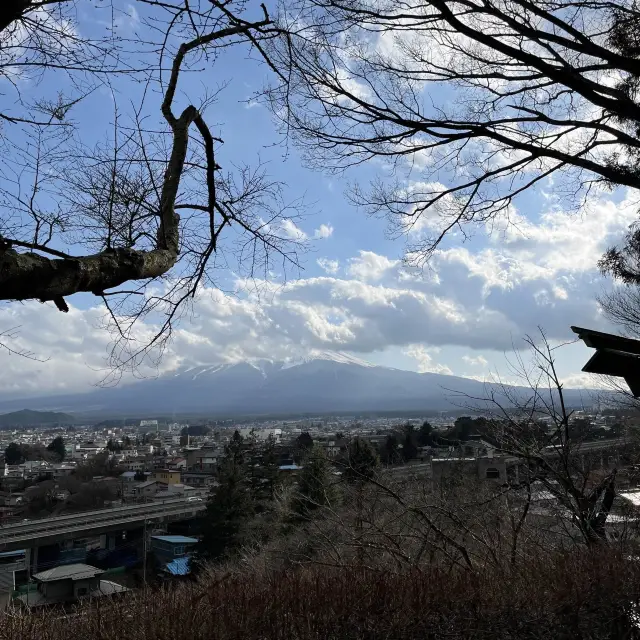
(475, 300)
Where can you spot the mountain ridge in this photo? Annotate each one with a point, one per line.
(27, 417)
(323, 383)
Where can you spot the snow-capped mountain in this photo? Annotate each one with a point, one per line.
(322, 382)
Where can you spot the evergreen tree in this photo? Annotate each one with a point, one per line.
(360, 461)
(269, 467)
(315, 484)
(425, 435)
(236, 448)
(13, 454)
(304, 441)
(389, 452)
(57, 446)
(303, 445)
(228, 512)
(409, 443)
(112, 445)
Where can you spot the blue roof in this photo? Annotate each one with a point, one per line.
(12, 554)
(289, 467)
(176, 539)
(178, 567)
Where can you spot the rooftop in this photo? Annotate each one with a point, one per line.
(178, 566)
(175, 539)
(68, 572)
(148, 483)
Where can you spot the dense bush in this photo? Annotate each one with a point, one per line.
(579, 595)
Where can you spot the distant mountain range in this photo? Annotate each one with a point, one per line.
(26, 417)
(327, 382)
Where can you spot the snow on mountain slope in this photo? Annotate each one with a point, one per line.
(323, 382)
(331, 356)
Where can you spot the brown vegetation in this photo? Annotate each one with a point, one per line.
(575, 595)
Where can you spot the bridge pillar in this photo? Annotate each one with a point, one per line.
(31, 560)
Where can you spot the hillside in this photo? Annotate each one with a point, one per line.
(28, 418)
(325, 383)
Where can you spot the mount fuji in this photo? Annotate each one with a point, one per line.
(321, 383)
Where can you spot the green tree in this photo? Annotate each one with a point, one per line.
(228, 512)
(389, 452)
(236, 449)
(269, 469)
(360, 461)
(57, 447)
(425, 435)
(302, 447)
(112, 445)
(315, 484)
(409, 443)
(304, 441)
(14, 454)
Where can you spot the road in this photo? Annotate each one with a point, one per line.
(48, 530)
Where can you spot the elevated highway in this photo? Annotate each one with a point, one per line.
(37, 533)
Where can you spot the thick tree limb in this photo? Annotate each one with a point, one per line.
(26, 276)
(33, 276)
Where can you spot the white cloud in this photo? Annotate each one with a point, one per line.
(424, 357)
(370, 266)
(483, 301)
(329, 266)
(584, 381)
(323, 231)
(290, 230)
(478, 361)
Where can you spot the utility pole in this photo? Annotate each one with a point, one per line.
(144, 555)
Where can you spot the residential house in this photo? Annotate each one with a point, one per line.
(198, 479)
(67, 584)
(128, 476)
(179, 489)
(133, 464)
(176, 463)
(60, 470)
(172, 553)
(204, 459)
(147, 489)
(166, 476)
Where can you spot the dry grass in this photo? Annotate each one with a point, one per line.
(579, 595)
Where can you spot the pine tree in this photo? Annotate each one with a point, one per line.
(360, 461)
(425, 435)
(236, 448)
(229, 509)
(57, 446)
(269, 467)
(389, 452)
(14, 454)
(409, 443)
(315, 485)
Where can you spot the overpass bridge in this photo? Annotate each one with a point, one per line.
(45, 531)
